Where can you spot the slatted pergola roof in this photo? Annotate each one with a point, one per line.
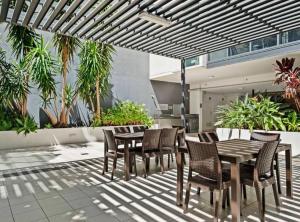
(197, 27)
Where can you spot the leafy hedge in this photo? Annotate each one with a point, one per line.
(257, 113)
(126, 113)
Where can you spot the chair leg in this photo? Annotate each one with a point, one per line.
(148, 164)
(144, 167)
(277, 170)
(263, 200)
(228, 197)
(105, 165)
(198, 190)
(187, 197)
(224, 198)
(211, 198)
(135, 170)
(217, 204)
(244, 192)
(161, 159)
(184, 161)
(259, 202)
(156, 160)
(114, 168)
(172, 158)
(169, 161)
(276, 196)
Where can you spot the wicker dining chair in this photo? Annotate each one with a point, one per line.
(168, 142)
(138, 129)
(204, 160)
(150, 148)
(261, 174)
(203, 137)
(269, 137)
(141, 128)
(112, 151)
(208, 137)
(122, 129)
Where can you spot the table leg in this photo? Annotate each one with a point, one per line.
(289, 173)
(179, 161)
(235, 192)
(126, 161)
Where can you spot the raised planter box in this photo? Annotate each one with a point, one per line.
(292, 138)
(49, 137)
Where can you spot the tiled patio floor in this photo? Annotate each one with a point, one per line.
(76, 191)
(40, 156)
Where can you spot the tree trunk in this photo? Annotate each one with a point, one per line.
(97, 99)
(63, 120)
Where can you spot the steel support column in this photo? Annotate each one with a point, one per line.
(183, 90)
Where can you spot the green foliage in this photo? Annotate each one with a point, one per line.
(292, 121)
(6, 119)
(48, 126)
(42, 68)
(69, 95)
(95, 65)
(13, 84)
(127, 113)
(22, 40)
(66, 46)
(251, 113)
(26, 125)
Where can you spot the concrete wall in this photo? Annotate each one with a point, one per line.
(129, 76)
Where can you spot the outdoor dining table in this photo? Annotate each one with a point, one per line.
(235, 152)
(128, 138)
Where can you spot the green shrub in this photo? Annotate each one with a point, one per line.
(252, 113)
(26, 125)
(127, 113)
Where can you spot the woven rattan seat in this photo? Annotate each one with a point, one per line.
(261, 174)
(111, 150)
(150, 148)
(205, 162)
(168, 142)
(269, 137)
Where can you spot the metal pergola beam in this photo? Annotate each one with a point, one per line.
(197, 27)
(4, 10)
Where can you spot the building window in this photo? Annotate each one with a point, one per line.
(290, 36)
(239, 49)
(220, 54)
(192, 61)
(262, 43)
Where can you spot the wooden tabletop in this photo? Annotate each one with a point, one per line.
(239, 150)
(129, 136)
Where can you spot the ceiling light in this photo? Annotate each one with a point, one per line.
(155, 19)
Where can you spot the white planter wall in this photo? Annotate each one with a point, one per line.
(292, 138)
(49, 137)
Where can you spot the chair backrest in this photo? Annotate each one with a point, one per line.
(168, 137)
(151, 139)
(122, 129)
(265, 159)
(180, 135)
(204, 160)
(265, 137)
(203, 137)
(110, 140)
(137, 129)
(212, 135)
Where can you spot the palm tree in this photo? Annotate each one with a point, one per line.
(66, 47)
(22, 40)
(95, 65)
(13, 87)
(42, 69)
